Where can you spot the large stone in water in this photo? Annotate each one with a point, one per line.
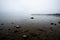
(2, 24)
(55, 24)
(59, 22)
(32, 17)
(52, 23)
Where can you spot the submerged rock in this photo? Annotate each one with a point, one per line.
(17, 26)
(32, 17)
(59, 22)
(55, 24)
(52, 23)
(2, 24)
(12, 23)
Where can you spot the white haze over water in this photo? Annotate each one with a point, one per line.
(30, 6)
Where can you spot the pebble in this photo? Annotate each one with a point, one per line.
(24, 35)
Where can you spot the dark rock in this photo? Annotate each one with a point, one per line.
(52, 23)
(18, 27)
(32, 17)
(2, 24)
(55, 24)
(59, 22)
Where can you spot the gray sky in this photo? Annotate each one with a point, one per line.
(30, 6)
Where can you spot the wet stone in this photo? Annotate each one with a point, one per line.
(59, 22)
(17, 26)
(25, 37)
(52, 23)
(2, 24)
(32, 17)
(55, 24)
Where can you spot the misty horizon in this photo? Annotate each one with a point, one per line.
(30, 6)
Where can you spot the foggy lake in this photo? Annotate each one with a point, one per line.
(30, 20)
